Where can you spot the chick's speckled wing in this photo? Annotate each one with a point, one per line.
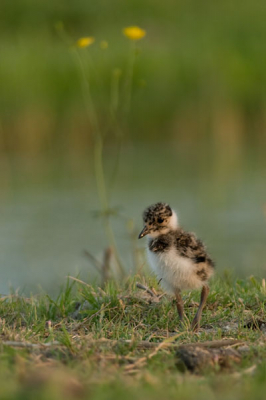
(188, 245)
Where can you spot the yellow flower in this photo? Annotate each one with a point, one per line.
(134, 32)
(103, 44)
(85, 41)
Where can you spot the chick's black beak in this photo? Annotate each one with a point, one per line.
(144, 232)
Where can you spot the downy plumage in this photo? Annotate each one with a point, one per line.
(178, 258)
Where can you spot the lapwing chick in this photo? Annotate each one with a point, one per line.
(178, 258)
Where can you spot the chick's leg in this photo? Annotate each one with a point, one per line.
(179, 305)
(203, 298)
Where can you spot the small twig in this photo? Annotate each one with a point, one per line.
(98, 266)
(141, 361)
(79, 281)
(106, 265)
(30, 345)
(142, 345)
(215, 343)
(143, 287)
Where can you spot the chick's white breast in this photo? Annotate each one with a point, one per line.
(176, 272)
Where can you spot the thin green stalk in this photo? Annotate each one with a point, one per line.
(128, 87)
(98, 151)
(88, 99)
(115, 90)
(99, 173)
(98, 163)
(114, 106)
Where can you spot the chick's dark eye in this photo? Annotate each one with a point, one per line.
(160, 220)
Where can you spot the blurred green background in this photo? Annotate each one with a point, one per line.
(194, 137)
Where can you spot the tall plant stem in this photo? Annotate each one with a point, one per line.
(98, 164)
(128, 88)
(101, 187)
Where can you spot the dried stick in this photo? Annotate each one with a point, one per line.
(30, 345)
(97, 264)
(106, 265)
(80, 281)
(143, 287)
(141, 361)
(215, 343)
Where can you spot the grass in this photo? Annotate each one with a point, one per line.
(92, 342)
